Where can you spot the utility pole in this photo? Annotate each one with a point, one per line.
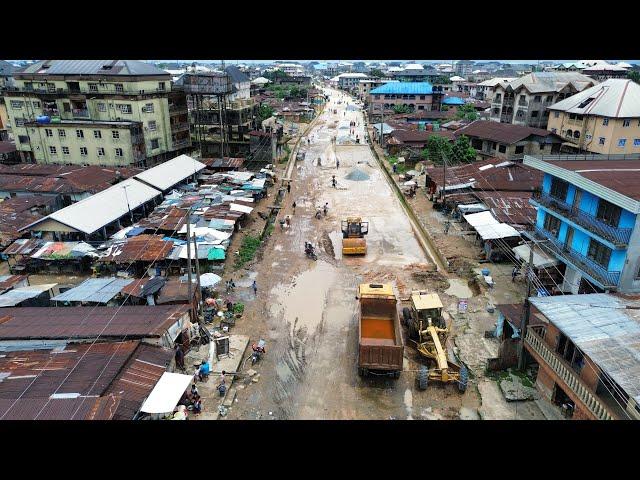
(522, 364)
(190, 286)
(444, 176)
(199, 288)
(124, 187)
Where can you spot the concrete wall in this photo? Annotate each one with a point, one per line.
(592, 128)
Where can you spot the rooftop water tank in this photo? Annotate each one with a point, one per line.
(43, 119)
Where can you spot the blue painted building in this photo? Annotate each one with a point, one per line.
(587, 216)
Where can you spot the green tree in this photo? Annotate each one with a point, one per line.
(442, 80)
(462, 151)
(402, 109)
(467, 112)
(376, 72)
(634, 75)
(436, 147)
(265, 111)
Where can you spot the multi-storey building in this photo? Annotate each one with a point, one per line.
(486, 90)
(412, 95)
(221, 111)
(524, 101)
(365, 86)
(349, 81)
(587, 218)
(96, 112)
(6, 80)
(291, 69)
(587, 353)
(604, 72)
(602, 119)
(464, 67)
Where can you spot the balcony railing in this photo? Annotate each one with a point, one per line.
(608, 279)
(567, 375)
(616, 235)
(178, 127)
(181, 143)
(176, 109)
(80, 112)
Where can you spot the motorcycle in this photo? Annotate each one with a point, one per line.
(309, 252)
(258, 350)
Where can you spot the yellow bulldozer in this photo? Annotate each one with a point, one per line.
(353, 232)
(429, 332)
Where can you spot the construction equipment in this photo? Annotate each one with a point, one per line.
(353, 232)
(380, 349)
(428, 330)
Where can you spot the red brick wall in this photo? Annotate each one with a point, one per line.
(545, 382)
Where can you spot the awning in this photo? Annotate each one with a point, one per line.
(473, 208)
(234, 207)
(166, 394)
(216, 254)
(500, 230)
(540, 259)
(209, 279)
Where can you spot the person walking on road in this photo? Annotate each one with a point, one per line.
(294, 207)
(514, 273)
(337, 164)
(255, 288)
(446, 227)
(333, 181)
(179, 357)
(288, 188)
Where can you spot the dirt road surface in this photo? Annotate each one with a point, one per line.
(306, 310)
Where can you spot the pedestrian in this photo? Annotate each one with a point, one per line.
(288, 187)
(222, 377)
(194, 391)
(287, 219)
(514, 273)
(446, 227)
(333, 181)
(229, 305)
(294, 207)
(395, 168)
(255, 288)
(337, 163)
(179, 357)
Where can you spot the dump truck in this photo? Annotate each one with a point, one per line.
(380, 348)
(428, 330)
(353, 232)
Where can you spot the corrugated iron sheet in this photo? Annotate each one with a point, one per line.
(100, 290)
(76, 322)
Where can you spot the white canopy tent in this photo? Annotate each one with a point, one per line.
(166, 394)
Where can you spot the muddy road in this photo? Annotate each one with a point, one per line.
(306, 310)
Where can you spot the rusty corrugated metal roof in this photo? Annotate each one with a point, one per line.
(143, 248)
(77, 322)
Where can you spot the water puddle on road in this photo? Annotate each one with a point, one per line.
(459, 288)
(304, 300)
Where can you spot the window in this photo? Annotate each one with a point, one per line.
(498, 97)
(626, 122)
(605, 121)
(23, 138)
(537, 98)
(549, 98)
(118, 152)
(601, 140)
(608, 213)
(534, 114)
(152, 125)
(83, 151)
(100, 152)
(519, 149)
(93, 87)
(542, 145)
(148, 108)
(599, 253)
(586, 102)
(576, 134)
(124, 107)
(53, 150)
(17, 104)
(19, 122)
(80, 133)
(502, 149)
(36, 104)
(559, 189)
(62, 133)
(494, 145)
(161, 86)
(552, 224)
(622, 142)
(102, 107)
(97, 134)
(48, 132)
(496, 111)
(51, 87)
(154, 144)
(636, 142)
(119, 87)
(115, 134)
(66, 106)
(65, 151)
(421, 97)
(588, 136)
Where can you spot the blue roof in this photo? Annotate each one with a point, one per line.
(453, 101)
(405, 88)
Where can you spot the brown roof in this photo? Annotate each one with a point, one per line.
(11, 223)
(512, 208)
(11, 281)
(121, 374)
(512, 312)
(60, 178)
(175, 291)
(169, 220)
(25, 202)
(622, 176)
(417, 136)
(23, 246)
(143, 248)
(7, 147)
(138, 378)
(80, 322)
(501, 132)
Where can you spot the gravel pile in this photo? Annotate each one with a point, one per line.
(357, 175)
